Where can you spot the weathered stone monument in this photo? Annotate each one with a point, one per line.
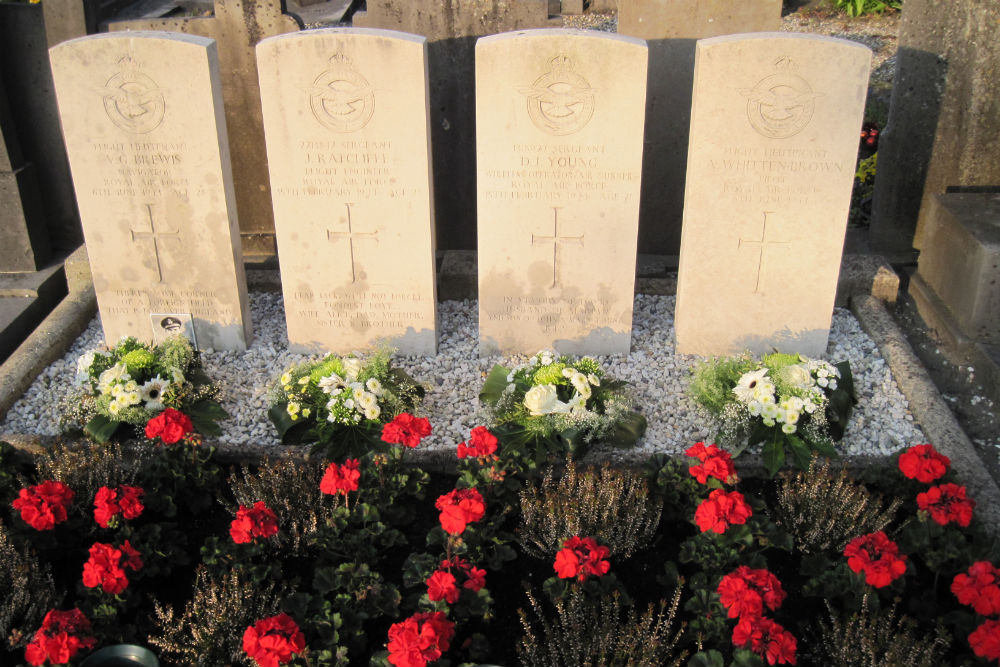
(944, 117)
(559, 117)
(146, 137)
(955, 287)
(451, 29)
(346, 121)
(237, 27)
(670, 28)
(775, 120)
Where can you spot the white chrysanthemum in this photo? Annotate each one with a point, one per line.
(152, 393)
(131, 386)
(132, 397)
(594, 380)
(792, 417)
(304, 380)
(352, 368)
(357, 392)
(755, 408)
(768, 422)
(114, 407)
(747, 383)
(176, 375)
(770, 411)
(374, 386)
(293, 409)
(286, 378)
(577, 404)
(832, 384)
(349, 403)
(331, 382)
(809, 407)
(116, 391)
(372, 412)
(788, 428)
(545, 357)
(580, 383)
(367, 401)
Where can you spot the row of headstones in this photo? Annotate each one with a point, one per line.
(560, 114)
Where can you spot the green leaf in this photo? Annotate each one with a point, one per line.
(291, 432)
(205, 415)
(100, 428)
(800, 451)
(628, 430)
(710, 658)
(744, 657)
(774, 456)
(825, 448)
(495, 383)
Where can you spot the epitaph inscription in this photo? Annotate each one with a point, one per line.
(770, 171)
(351, 187)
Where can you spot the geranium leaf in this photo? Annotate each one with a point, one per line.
(710, 658)
(100, 428)
(773, 454)
(205, 415)
(825, 448)
(495, 383)
(800, 451)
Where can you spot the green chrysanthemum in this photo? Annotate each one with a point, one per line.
(551, 374)
(137, 361)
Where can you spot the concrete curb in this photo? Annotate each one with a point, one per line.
(46, 343)
(929, 409)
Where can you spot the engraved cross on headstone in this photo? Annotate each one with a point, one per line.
(350, 234)
(556, 241)
(762, 245)
(237, 27)
(154, 236)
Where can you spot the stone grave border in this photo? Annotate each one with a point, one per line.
(865, 283)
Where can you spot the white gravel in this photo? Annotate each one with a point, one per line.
(880, 425)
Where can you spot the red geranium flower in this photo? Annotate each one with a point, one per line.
(109, 503)
(62, 635)
(715, 463)
(254, 522)
(947, 503)
(766, 638)
(877, 556)
(979, 588)
(273, 641)
(44, 505)
(481, 444)
(459, 508)
(745, 592)
(985, 640)
(441, 586)
(341, 479)
(170, 426)
(105, 568)
(720, 510)
(406, 430)
(923, 463)
(581, 558)
(420, 639)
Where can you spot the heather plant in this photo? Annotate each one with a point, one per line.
(579, 631)
(824, 510)
(88, 466)
(290, 486)
(614, 505)
(209, 632)
(28, 592)
(873, 638)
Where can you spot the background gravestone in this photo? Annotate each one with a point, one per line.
(346, 120)
(559, 117)
(237, 27)
(146, 137)
(451, 29)
(944, 117)
(671, 28)
(775, 120)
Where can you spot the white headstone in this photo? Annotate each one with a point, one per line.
(146, 138)
(345, 117)
(775, 121)
(559, 123)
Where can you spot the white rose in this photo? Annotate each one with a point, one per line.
(797, 375)
(542, 400)
(352, 367)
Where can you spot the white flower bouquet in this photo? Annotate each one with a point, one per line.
(133, 382)
(790, 403)
(553, 405)
(340, 403)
